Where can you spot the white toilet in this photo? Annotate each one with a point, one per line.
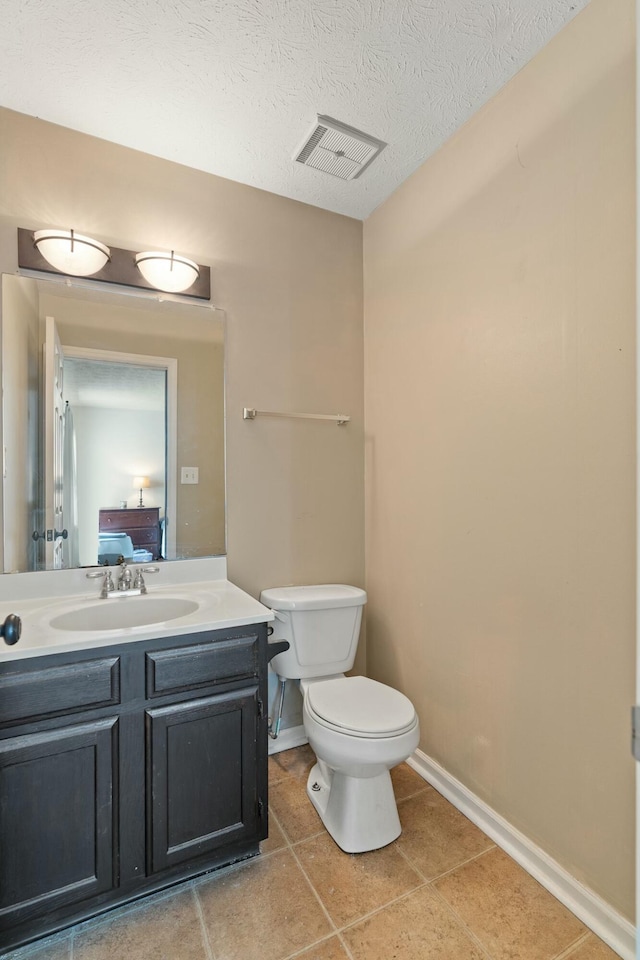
(358, 728)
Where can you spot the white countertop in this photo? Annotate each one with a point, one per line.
(220, 605)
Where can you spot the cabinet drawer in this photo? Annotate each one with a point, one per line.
(35, 694)
(143, 535)
(200, 665)
(128, 519)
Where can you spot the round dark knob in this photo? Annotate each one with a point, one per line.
(11, 629)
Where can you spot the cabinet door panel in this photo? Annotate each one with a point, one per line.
(56, 818)
(201, 776)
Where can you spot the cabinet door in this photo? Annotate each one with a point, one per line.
(201, 776)
(56, 818)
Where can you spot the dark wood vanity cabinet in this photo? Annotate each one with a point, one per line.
(125, 769)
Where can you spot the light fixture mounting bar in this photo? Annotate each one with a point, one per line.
(121, 269)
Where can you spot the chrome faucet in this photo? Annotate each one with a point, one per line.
(125, 579)
(138, 583)
(126, 584)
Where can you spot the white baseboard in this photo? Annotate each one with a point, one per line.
(596, 913)
(287, 739)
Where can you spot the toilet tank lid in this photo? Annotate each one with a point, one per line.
(319, 597)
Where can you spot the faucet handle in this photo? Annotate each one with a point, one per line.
(138, 583)
(107, 586)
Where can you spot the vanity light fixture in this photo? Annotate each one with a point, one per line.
(141, 483)
(55, 251)
(167, 271)
(71, 252)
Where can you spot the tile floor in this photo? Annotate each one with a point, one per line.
(442, 891)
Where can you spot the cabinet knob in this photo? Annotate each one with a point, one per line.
(11, 629)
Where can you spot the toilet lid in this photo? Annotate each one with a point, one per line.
(361, 706)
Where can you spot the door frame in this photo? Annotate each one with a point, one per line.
(637, 764)
(170, 366)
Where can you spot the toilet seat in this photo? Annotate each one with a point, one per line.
(360, 707)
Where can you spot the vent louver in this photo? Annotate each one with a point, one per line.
(338, 149)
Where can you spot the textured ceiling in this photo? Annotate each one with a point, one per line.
(232, 86)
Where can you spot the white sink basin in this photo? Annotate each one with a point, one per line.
(126, 612)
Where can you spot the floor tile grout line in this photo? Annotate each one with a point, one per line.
(412, 864)
(322, 906)
(310, 946)
(273, 814)
(365, 916)
(568, 951)
(376, 910)
(289, 843)
(410, 796)
(208, 949)
(475, 939)
(312, 836)
(314, 891)
(458, 866)
(284, 832)
(276, 783)
(345, 947)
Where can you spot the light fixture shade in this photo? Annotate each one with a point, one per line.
(141, 483)
(71, 252)
(167, 271)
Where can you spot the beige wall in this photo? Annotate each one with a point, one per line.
(20, 414)
(499, 383)
(108, 441)
(290, 279)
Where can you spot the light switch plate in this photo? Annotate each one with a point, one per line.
(189, 475)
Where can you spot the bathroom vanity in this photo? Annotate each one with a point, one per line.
(128, 761)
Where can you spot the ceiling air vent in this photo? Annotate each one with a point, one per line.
(338, 149)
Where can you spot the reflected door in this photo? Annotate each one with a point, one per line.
(53, 446)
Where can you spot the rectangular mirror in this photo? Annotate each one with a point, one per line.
(112, 427)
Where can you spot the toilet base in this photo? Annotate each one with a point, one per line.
(359, 813)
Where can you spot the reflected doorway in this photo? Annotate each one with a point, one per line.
(121, 412)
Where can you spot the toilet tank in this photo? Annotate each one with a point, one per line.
(322, 625)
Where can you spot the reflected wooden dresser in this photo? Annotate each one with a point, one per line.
(141, 523)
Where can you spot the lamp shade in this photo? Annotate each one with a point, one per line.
(167, 271)
(141, 483)
(71, 252)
